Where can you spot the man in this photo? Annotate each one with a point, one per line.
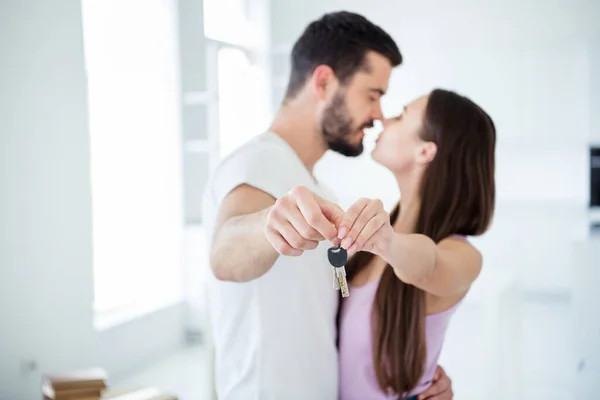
(272, 304)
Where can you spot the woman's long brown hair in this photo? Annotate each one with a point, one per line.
(457, 196)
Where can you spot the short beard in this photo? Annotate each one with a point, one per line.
(337, 126)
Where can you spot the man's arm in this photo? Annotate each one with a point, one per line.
(240, 251)
(253, 229)
(440, 389)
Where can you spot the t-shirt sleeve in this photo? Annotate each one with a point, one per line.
(266, 167)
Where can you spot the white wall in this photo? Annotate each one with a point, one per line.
(45, 202)
(595, 88)
(535, 67)
(46, 288)
(587, 329)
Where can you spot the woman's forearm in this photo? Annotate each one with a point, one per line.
(412, 256)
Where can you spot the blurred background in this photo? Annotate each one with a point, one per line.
(114, 112)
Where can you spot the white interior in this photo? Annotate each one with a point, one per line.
(530, 329)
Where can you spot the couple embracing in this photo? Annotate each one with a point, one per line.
(280, 331)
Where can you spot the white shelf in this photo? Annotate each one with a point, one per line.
(594, 215)
(281, 50)
(280, 81)
(529, 141)
(197, 146)
(199, 98)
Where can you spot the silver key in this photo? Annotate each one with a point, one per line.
(337, 258)
(342, 282)
(336, 280)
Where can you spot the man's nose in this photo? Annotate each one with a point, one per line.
(377, 114)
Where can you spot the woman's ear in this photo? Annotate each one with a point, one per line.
(427, 152)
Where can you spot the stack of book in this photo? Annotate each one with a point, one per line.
(85, 384)
(148, 393)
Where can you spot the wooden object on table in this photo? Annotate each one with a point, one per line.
(85, 384)
(147, 393)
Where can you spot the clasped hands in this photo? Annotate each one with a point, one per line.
(301, 219)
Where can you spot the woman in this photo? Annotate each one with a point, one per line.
(413, 267)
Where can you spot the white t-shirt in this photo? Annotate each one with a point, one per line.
(274, 336)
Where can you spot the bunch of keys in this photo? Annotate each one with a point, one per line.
(338, 256)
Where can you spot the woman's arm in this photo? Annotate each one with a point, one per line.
(444, 269)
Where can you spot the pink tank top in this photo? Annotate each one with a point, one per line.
(357, 374)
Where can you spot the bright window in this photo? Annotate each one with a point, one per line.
(133, 94)
(243, 111)
(228, 21)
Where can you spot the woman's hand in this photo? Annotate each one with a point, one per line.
(366, 227)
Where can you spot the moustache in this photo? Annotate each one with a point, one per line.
(368, 125)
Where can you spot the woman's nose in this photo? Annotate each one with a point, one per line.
(386, 122)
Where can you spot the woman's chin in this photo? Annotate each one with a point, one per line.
(375, 154)
(377, 157)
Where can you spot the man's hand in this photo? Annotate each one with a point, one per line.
(441, 389)
(299, 220)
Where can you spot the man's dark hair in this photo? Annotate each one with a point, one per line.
(341, 41)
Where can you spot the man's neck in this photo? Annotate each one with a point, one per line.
(296, 125)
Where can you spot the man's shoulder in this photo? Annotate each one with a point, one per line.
(265, 162)
(261, 150)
